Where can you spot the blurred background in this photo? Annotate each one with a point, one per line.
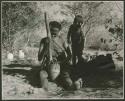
(23, 24)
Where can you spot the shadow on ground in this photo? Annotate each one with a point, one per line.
(95, 79)
(17, 65)
(31, 75)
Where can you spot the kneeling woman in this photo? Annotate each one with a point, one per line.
(58, 70)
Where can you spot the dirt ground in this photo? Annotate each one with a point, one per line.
(18, 82)
(16, 87)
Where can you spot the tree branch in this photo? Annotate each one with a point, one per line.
(118, 7)
(86, 21)
(88, 30)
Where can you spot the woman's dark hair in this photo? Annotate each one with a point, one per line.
(55, 24)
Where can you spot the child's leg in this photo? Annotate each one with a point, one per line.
(74, 55)
(79, 57)
(74, 58)
(80, 52)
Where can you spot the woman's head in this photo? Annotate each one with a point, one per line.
(55, 27)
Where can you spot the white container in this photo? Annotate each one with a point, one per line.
(21, 54)
(10, 57)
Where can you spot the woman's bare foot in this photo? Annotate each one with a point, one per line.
(78, 84)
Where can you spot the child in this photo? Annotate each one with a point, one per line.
(76, 38)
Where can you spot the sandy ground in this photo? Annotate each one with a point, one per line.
(17, 85)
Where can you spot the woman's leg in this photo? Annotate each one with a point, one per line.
(43, 79)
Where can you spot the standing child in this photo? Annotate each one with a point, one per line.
(76, 38)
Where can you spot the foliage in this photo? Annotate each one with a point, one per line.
(16, 16)
(23, 22)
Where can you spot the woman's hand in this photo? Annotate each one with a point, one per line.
(47, 40)
(69, 41)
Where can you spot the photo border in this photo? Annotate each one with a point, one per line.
(61, 1)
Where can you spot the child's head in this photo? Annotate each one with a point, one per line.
(78, 20)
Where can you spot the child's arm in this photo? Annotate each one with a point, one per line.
(82, 35)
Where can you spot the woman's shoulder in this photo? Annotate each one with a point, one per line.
(61, 39)
(64, 42)
(44, 40)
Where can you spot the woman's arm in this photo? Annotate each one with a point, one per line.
(41, 51)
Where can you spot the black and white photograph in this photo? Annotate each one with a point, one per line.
(62, 50)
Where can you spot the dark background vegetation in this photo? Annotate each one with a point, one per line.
(23, 23)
